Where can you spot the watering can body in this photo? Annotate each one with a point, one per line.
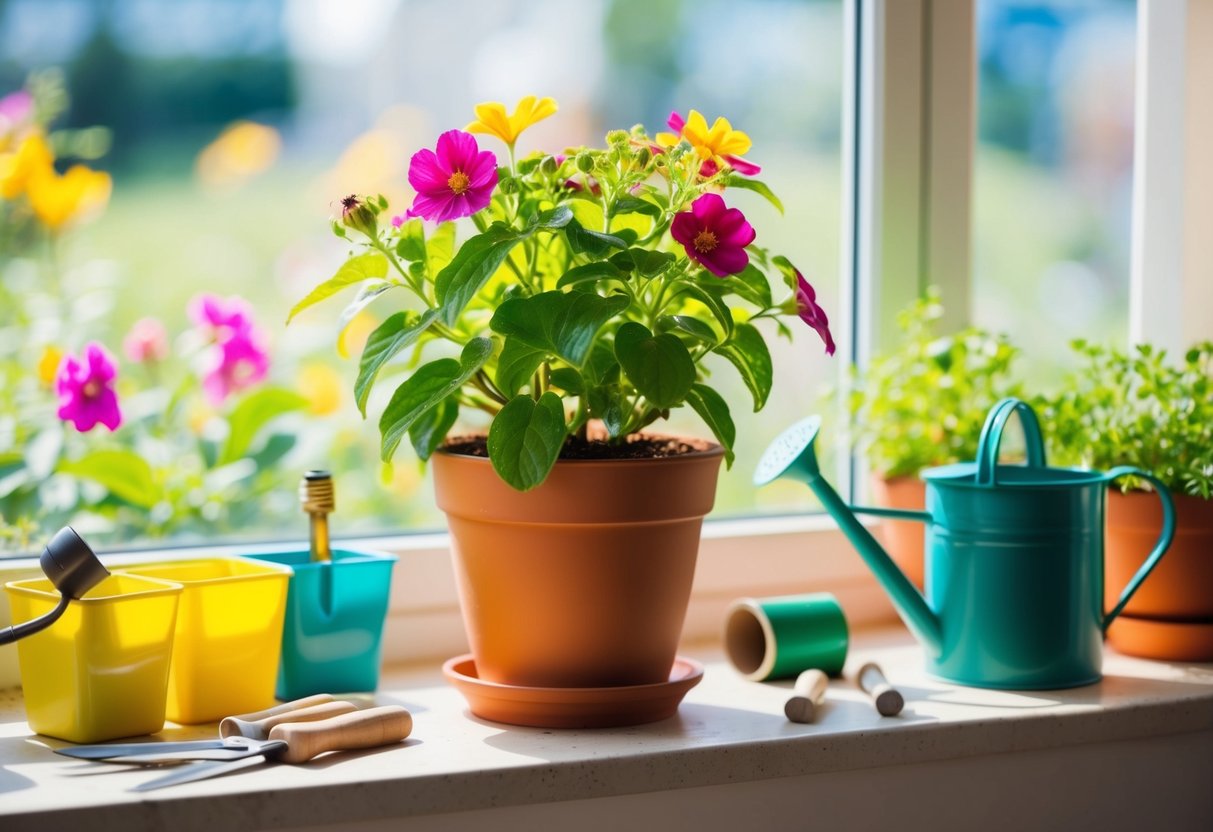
(1014, 561)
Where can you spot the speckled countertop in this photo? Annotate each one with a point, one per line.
(728, 730)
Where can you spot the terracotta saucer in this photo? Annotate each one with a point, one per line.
(572, 707)
(1151, 638)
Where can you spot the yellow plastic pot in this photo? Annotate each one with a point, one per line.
(101, 671)
(229, 635)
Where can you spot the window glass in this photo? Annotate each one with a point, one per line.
(1054, 173)
(232, 128)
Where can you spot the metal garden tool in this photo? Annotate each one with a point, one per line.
(288, 742)
(1014, 557)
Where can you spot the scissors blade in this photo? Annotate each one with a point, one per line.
(152, 753)
(105, 752)
(199, 771)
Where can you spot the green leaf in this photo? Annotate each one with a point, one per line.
(634, 205)
(755, 185)
(525, 439)
(747, 351)
(568, 380)
(389, 338)
(642, 261)
(355, 270)
(557, 217)
(713, 409)
(425, 389)
(714, 304)
(365, 297)
(590, 273)
(659, 366)
(431, 428)
(253, 413)
(122, 473)
(563, 323)
(594, 243)
(694, 327)
(751, 285)
(787, 270)
(517, 363)
(440, 248)
(473, 265)
(411, 245)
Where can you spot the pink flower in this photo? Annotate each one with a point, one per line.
(85, 387)
(146, 342)
(714, 236)
(236, 358)
(456, 181)
(811, 313)
(398, 221)
(16, 107)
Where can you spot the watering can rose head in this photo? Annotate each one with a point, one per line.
(589, 285)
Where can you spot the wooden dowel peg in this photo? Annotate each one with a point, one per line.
(885, 697)
(807, 695)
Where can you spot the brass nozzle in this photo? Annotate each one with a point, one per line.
(318, 500)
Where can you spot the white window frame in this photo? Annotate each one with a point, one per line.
(908, 146)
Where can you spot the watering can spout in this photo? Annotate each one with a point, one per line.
(792, 456)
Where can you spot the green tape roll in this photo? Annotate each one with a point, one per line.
(779, 638)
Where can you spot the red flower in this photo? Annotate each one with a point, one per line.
(714, 236)
(811, 313)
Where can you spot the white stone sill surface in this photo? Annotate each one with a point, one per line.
(727, 731)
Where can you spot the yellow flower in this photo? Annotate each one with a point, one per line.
(48, 364)
(59, 199)
(33, 158)
(243, 150)
(321, 385)
(711, 144)
(491, 117)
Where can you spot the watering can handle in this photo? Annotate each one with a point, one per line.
(1160, 548)
(991, 439)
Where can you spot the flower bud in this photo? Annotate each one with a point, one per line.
(549, 165)
(617, 137)
(359, 215)
(643, 157)
(585, 162)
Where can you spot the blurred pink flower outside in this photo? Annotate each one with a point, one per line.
(236, 358)
(85, 386)
(147, 342)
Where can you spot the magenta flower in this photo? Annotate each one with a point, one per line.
(147, 342)
(811, 313)
(85, 387)
(236, 358)
(455, 181)
(714, 236)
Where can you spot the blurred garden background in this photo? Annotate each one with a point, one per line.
(232, 128)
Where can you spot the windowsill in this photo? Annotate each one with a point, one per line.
(728, 733)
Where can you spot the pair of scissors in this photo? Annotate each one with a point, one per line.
(291, 733)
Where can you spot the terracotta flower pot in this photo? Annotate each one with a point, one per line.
(583, 581)
(1181, 586)
(903, 539)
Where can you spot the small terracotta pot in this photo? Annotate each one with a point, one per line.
(1181, 586)
(903, 539)
(583, 581)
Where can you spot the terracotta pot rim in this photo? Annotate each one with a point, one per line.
(712, 449)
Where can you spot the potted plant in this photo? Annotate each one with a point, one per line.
(922, 404)
(1138, 408)
(587, 304)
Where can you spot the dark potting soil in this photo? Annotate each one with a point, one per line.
(634, 447)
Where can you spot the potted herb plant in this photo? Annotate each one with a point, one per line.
(922, 404)
(585, 306)
(1137, 407)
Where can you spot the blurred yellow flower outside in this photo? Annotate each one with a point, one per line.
(243, 150)
(321, 385)
(57, 199)
(491, 117)
(353, 338)
(48, 364)
(32, 158)
(711, 144)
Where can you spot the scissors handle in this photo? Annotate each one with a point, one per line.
(369, 728)
(257, 726)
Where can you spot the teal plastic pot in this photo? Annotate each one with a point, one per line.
(333, 630)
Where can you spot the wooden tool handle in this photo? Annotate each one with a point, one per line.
(362, 729)
(809, 692)
(296, 705)
(887, 699)
(259, 729)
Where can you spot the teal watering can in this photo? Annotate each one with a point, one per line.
(1014, 557)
